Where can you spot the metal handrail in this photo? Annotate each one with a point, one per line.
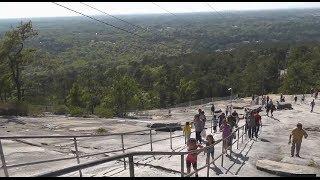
(82, 136)
(130, 156)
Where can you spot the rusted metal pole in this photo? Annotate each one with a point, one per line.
(243, 129)
(170, 138)
(131, 166)
(182, 165)
(151, 141)
(208, 165)
(77, 153)
(4, 165)
(238, 139)
(222, 154)
(124, 159)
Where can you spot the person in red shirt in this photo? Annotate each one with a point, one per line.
(192, 156)
(258, 123)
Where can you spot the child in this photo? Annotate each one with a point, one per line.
(210, 141)
(187, 131)
(192, 157)
(214, 123)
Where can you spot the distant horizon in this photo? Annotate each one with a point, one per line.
(223, 11)
(29, 10)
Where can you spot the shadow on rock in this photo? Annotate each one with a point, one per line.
(217, 170)
(264, 140)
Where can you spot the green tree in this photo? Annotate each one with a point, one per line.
(13, 51)
(121, 96)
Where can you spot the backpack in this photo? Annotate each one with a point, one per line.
(257, 119)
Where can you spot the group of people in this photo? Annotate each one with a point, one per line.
(226, 125)
(253, 123)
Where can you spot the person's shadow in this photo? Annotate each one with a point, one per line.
(274, 118)
(217, 170)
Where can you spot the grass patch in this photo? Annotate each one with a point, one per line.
(101, 131)
(312, 163)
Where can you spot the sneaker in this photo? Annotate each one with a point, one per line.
(291, 155)
(297, 155)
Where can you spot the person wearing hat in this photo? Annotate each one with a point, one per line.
(297, 135)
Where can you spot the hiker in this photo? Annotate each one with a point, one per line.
(221, 118)
(187, 131)
(227, 110)
(236, 115)
(312, 105)
(252, 98)
(232, 121)
(258, 123)
(192, 157)
(198, 125)
(246, 117)
(257, 100)
(297, 135)
(212, 109)
(214, 123)
(226, 136)
(203, 117)
(295, 98)
(251, 125)
(282, 98)
(263, 101)
(270, 107)
(273, 107)
(302, 99)
(268, 99)
(210, 151)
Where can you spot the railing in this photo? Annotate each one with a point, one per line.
(5, 167)
(190, 103)
(144, 153)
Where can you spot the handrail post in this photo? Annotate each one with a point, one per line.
(124, 159)
(243, 129)
(170, 138)
(77, 153)
(238, 139)
(222, 153)
(208, 165)
(151, 141)
(182, 165)
(4, 165)
(212, 122)
(131, 166)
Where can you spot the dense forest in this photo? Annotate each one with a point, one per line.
(80, 66)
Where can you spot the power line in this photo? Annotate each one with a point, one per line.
(103, 22)
(168, 11)
(97, 20)
(115, 17)
(214, 9)
(145, 29)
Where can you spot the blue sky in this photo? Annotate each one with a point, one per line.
(47, 9)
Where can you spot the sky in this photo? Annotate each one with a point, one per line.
(48, 9)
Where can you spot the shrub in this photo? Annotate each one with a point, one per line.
(60, 110)
(76, 111)
(101, 131)
(103, 112)
(14, 109)
(35, 111)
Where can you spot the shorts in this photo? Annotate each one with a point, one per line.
(194, 164)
